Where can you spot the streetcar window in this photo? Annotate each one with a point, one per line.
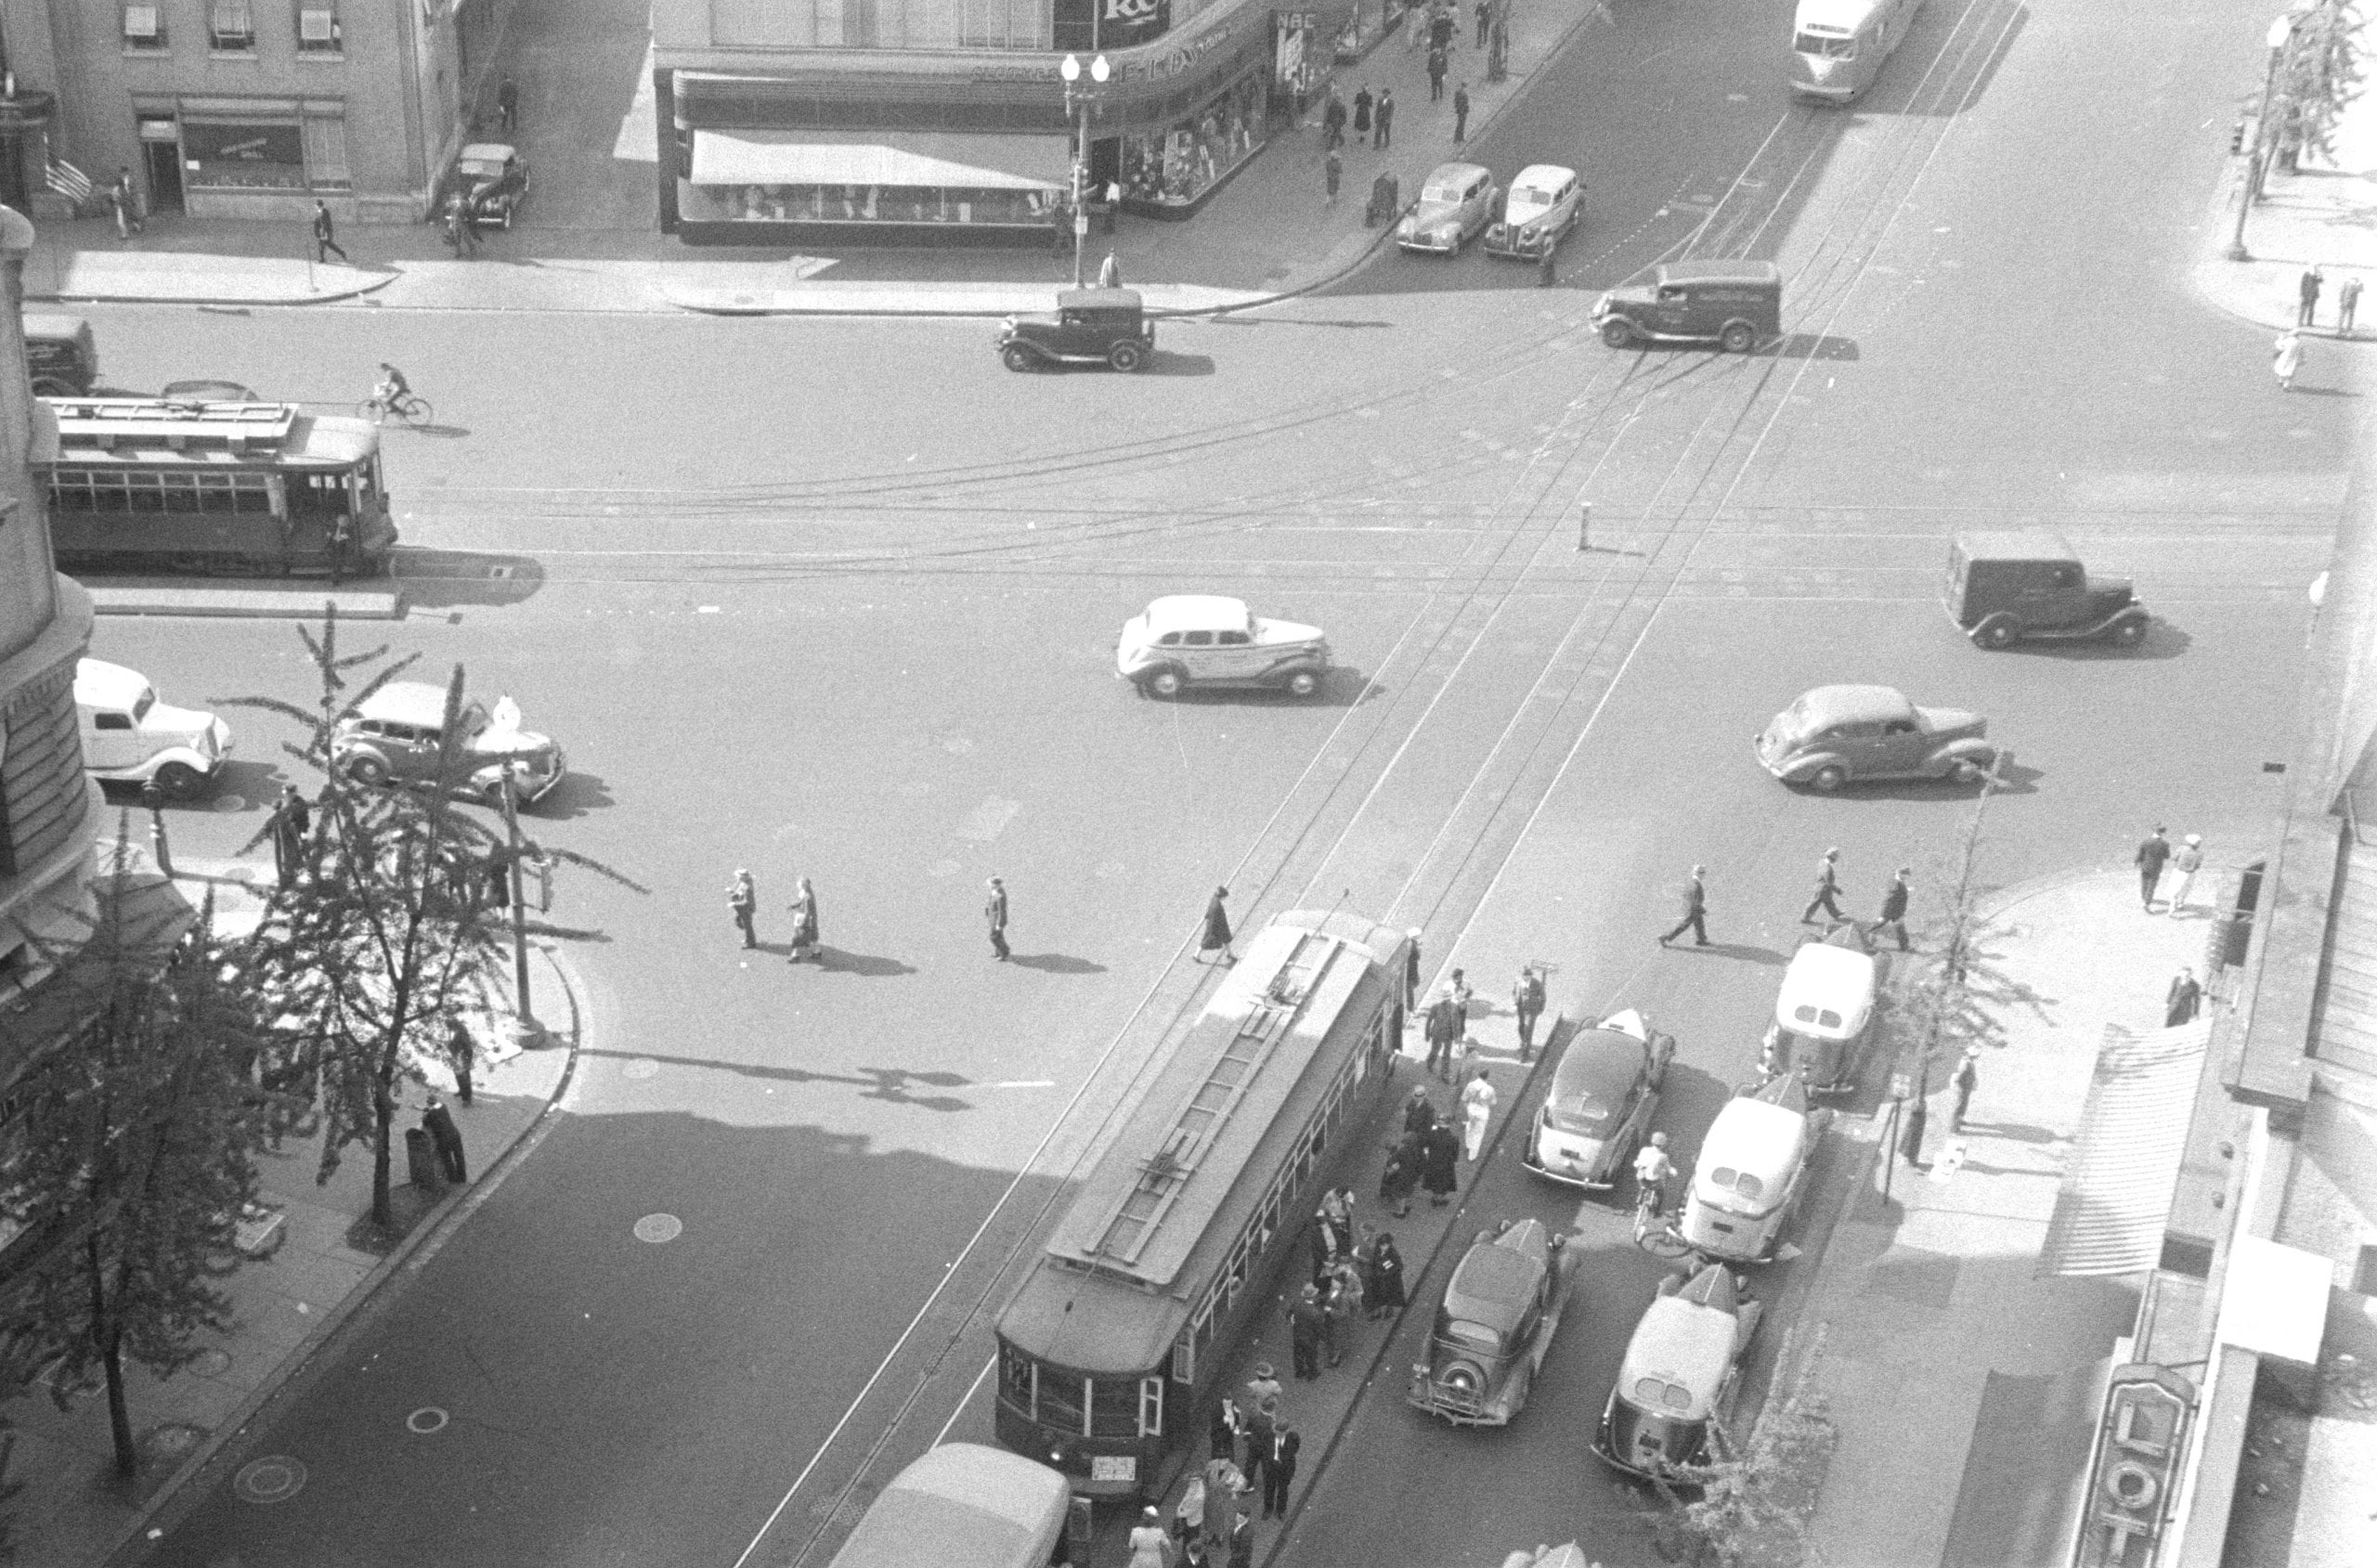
(1114, 1406)
(1061, 1401)
(1151, 1407)
(1019, 1379)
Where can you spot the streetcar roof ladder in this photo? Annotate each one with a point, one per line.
(1165, 1174)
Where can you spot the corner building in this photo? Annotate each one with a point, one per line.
(905, 123)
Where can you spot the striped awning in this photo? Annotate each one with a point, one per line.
(2115, 1197)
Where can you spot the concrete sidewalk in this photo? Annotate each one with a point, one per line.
(304, 1278)
(1933, 1288)
(1272, 232)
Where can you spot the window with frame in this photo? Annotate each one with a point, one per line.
(325, 138)
(317, 29)
(144, 26)
(231, 26)
(1019, 1379)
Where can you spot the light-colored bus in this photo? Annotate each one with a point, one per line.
(1838, 47)
(963, 1503)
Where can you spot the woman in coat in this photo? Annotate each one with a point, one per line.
(1215, 937)
(1150, 1544)
(1439, 1157)
(804, 924)
(1384, 1291)
(1402, 1176)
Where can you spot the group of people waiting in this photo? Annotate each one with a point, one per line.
(1351, 1278)
(1431, 1147)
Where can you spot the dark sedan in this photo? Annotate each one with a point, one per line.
(494, 179)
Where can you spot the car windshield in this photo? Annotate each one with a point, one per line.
(1584, 1116)
(1526, 200)
(1473, 1336)
(1444, 191)
(481, 168)
(1824, 47)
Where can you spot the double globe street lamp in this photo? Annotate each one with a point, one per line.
(1080, 98)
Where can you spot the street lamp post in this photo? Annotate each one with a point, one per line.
(1080, 98)
(527, 1032)
(2257, 160)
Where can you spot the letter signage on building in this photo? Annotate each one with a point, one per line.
(2141, 1442)
(1081, 25)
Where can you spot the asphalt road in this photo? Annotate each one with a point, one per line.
(838, 598)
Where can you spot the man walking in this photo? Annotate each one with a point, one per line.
(1444, 1032)
(1459, 113)
(2151, 854)
(994, 910)
(507, 102)
(1279, 1471)
(2347, 302)
(1385, 118)
(2179, 1002)
(1895, 909)
(1485, 20)
(1333, 122)
(1827, 897)
(439, 1122)
(2186, 861)
(1527, 1006)
(1306, 1324)
(1437, 65)
(325, 239)
(462, 1053)
(2308, 292)
(1967, 1079)
(1696, 910)
(1910, 1145)
(743, 898)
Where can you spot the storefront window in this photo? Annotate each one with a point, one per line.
(1178, 164)
(865, 204)
(243, 157)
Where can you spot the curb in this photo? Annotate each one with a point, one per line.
(423, 1242)
(2213, 268)
(202, 301)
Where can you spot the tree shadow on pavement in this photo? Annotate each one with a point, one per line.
(1057, 964)
(1748, 953)
(573, 796)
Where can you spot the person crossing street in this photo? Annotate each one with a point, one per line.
(1696, 911)
(1827, 896)
(743, 898)
(1895, 909)
(995, 912)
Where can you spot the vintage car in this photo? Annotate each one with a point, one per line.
(963, 1502)
(1090, 327)
(1752, 1167)
(1544, 204)
(1494, 1325)
(493, 179)
(1738, 304)
(2026, 584)
(1455, 205)
(1185, 640)
(1603, 1094)
(130, 737)
(1822, 1011)
(61, 354)
(395, 736)
(1835, 735)
(1679, 1368)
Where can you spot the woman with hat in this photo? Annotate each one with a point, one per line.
(1150, 1543)
(1215, 936)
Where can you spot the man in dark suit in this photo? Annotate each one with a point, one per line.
(439, 1122)
(1279, 1471)
(2152, 855)
(1827, 893)
(1696, 911)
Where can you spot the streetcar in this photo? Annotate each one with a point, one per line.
(1838, 47)
(1110, 1352)
(242, 489)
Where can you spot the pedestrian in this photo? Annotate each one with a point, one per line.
(804, 923)
(1384, 1290)
(1440, 1152)
(287, 835)
(120, 203)
(1894, 908)
(1109, 272)
(1547, 266)
(1279, 1471)
(1827, 897)
(462, 1052)
(1462, 993)
(1333, 121)
(1485, 20)
(325, 237)
(1443, 1033)
(2186, 861)
(1385, 118)
(1967, 1079)
(1411, 971)
(1214, 938)
(507, 101)
(743, 898)
(1221, 1429)
(995, 912)
(1150, 1544)
(2347, 302)
(1242, 1545)
(2308, 292)
(1113, 206)
(1527, 1006)
(1696, 910)
(1437, 65)
(128, 217)
(1477, 1115)
(2179, 1002)
(2286, 361)
(1338, 1305)
(1419, 1113)
(1223, 1484)
(1910, 1144)
(1333, 169)
(439, 1122)
(2151, 854)
(1362, 101)
(1261, 1419)
(471, 226)
(1459, 113)
(1305, 1321)
(1262, 1392)
(1402, 1173)
(1322, 1242)
(449, 226)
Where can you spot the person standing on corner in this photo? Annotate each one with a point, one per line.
(2150, 858)
(1895, 909)
(325, 236)
(1967, 1079)
(439, 1122)
(1362, 101)
(462, 1052)
(2306, 291)
(1696, 910)
(1527, 1006)
(1110, 271)
(994, 910)
(1477, 1115)
(1305, 1325)
(1827, 897)
(2347, 303)
(1279, 1471)
(1214, 938)
(743, 898)
(1910, 1145)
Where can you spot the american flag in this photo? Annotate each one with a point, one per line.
(68, 181)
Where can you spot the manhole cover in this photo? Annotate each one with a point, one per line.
(275, 1479)
(427, 1419)
(659, 1227)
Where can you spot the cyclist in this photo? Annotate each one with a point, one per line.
(392, 388)
(1652, 1168)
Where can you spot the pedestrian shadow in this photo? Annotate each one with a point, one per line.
(865, 966)
(1056, 963)
(891, 1086)
(1748, 953)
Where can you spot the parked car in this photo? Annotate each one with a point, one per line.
(1752, 1169)
(1187, 640)
(2027, 585)
(130, 737)
(1737, 303)
(1822, 1012)
(494, 179)
(207, 392)
(1494, 1325)
(1835, 735)
(1090, 327)
(1455, 205)
(1680, 1365)
(1603, 1096)
(61, 354)
(1544, 204)
(395, 738)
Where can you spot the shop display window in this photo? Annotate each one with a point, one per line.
(1180, 164)
(865, 204)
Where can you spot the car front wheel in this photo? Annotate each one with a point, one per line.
(1828, 778)
(1015, 356)
(1126, 356)
(1617, 334)
(1998, 631)
(1302, 683)
(365, 770)
(1738, 337)
(179, 781)
(1165, 682)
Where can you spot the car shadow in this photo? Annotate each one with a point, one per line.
(1056, 963)
(1339, 688)
(865, 966)
(2162, 640)
(2012, 779)
(1166, 362)
(575, 794)
(441, 580)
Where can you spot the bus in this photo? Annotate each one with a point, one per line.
(242, 489)
(1838, 47)
(1111, 1351)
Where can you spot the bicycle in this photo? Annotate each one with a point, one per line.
(1654, 1231)
(408, 408)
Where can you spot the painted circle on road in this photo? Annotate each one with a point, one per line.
(656, 1228)
(274, 1480)
(642, 1067)
(426, 1419)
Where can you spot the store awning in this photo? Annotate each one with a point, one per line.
(2274, 1300)
(881, 158)
(2115, 1199)
(2026, 1469)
